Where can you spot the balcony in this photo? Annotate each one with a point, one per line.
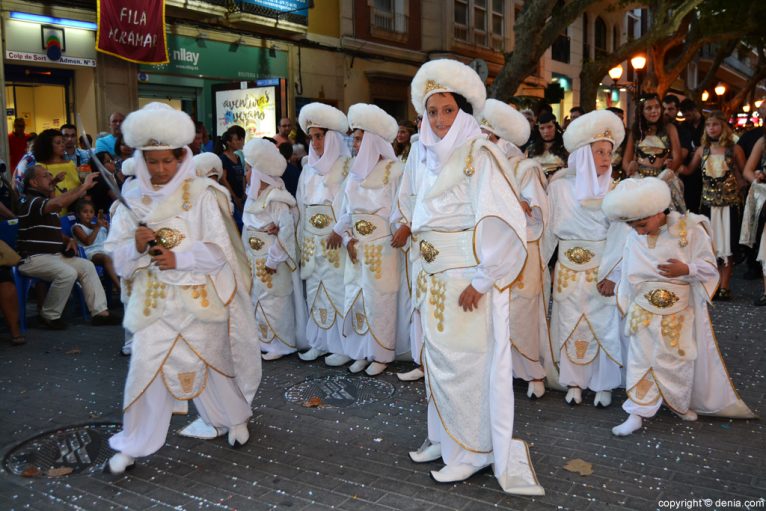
(560, 51)
(388, 21)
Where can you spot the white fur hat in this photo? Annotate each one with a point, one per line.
(505, 121)
(208, 164)
(634, 199)
(319, 115)
(592, 127)
(446, 75)
(363, 116)
(158, 126)
(265, 157)
(127, 167)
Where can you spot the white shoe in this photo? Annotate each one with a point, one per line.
(414, 375)
(603, 398)
(535, 390)
(375, 368)
(455, 473)
(203, 430)
(266, 355)
(427, 452)
(531, 490)
(574, 396)
(119, 463)
(631, 424)
(337, 360)
(310, 355)
(690, 416)
(358, 366)
(239, 435)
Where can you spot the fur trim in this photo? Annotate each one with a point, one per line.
(446, 75)
(634, 199)
(265, 157)
(280, 195)
(504, 121)
(158, 126)
(320, 115)
(208, 164)
(592, 127)
(363, 116)
(127, 167)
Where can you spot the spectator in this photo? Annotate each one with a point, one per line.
(27, 161)
(575, 112)
(232, 141)
(292, 172)
(71, 151)
(694, 121)
(283, 134)
(671, 107)
(107, 142)
(42, 248)
(49, 152)
(749, 138)
(17, 141)
(101, 195)
(299, 152)
(7, 193)
(123, 150)
(9, 303)
(402, 143)
(694, 125)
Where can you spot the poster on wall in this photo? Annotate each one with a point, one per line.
(255, 109)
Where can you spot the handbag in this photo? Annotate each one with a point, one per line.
(8, 256)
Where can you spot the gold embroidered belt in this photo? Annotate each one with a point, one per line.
(441, 251)
(647, 171)
(258, 241)
(581, 255)
(319, 220)
(368, 228)
(662, 298)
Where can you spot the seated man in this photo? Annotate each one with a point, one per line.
(44, 250)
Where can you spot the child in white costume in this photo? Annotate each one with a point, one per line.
(186, 285)
(470, 230)
(373, 265)
(528, 295)
(269, 239)
(585, 339)
(667, 275)
(319, 197)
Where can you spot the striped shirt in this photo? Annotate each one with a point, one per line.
(39, 232)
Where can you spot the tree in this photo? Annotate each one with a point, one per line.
(535, 30)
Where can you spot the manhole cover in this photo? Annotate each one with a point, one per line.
(339, 391)
(71, 450)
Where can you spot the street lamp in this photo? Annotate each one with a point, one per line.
(746, 108)
(758, 103)
(638, 62)
(720, 90)
(616, 73)
(705, 96)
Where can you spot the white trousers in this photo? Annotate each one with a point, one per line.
(145, 423)
(452, 453)
(645, 411)
(601, 374)
(62, 272)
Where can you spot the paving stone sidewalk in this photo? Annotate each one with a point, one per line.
(356, 458)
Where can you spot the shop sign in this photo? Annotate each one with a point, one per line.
(297, 7)
(219, 60)
(133, 30)
(43, 58)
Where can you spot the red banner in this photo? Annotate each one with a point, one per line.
(133, 30)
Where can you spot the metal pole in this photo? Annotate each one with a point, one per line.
(4, 128)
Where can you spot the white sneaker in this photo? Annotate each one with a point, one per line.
(271, 355)
(427, 452)
(337, 360)
(375, 368)
(535, 390)
(201, 429)
(310, 355)
(414, 375)
(603, 399)
(574, 396)
(119, 463)
(239, 435)
(455, 473)
(358, 366)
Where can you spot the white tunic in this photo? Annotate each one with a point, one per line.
(278, 298)
(585, 338)
(674, 357)
(372, 283)
(470, 229)
(320, 201)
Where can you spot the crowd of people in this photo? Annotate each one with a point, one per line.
(443, 242)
